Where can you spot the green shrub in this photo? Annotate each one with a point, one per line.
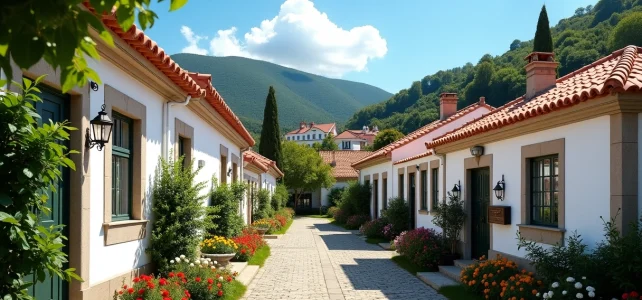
(356, 198)
(280, 197)
(331, 211)
(398, 214)
(178, 212)
(354, 222)
(424, 247)
(223, 216)
(323, 210)
(263, 208)
(340, 216)
(32, 161)
(374, 228)
(334, 197)
(450, 216)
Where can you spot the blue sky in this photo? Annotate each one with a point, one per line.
(385, 43)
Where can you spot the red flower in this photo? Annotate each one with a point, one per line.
(141, 291)
(165, 293)
(634, 294)
(130, 290)
(180, 275)
(171, 274)
(243, 251)
(229, 279)
(625, 296)
(210, 280)
(220, 293)
(167, 298)
(150, 285)
(139, 298)
(136, 279)
(162, 281)
(124, 286)
(219, 285)
(209, 287)
(187, 294)
(198, 279)
(120, 292)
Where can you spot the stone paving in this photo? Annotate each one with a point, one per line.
(317, 260)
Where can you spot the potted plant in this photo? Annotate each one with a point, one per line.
(450, 216)
(262, 226)
(219, 249)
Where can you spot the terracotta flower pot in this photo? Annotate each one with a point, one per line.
(221, 259)
(261, 230)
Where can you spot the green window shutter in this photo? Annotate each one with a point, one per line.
(122, 167)
(544, 190)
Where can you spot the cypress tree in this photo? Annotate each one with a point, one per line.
(270, 145)
(543, 39)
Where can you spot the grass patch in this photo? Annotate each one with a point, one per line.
(319, 216)
(458, 292)
(234, 291)
(376, 240)
(407, 265)
(260, 256)
(285, 228)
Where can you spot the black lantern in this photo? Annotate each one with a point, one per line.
(500, 188)
(477, 151)
(229, 171)
(101, 126)
(457, 190)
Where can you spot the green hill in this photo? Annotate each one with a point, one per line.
(578, 40)
(244, 84)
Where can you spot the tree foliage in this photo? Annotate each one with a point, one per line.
(270, 146)
(178, 212)
(627, 32)
(328, 144)
(304, 169)
(222, 214)
(543, 40)
(31, 164)
(386, 137)
(576, 43)
(58, 31)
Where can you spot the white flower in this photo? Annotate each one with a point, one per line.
(537, 295)
(545, 296)
(208, 259)
(171, 261)
(182, 256)
(555, 284)
(591, 294)
(191, 265)
(590, 289)
(213, 268)
(578, 285)
(198, 262)
(550, 294)
(178, 260)
(579, 296)
(564, 292)
(583, 277)
(570, 279)
(220, 278)
(216, 263)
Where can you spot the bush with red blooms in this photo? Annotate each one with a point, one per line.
(354, 222)
(423, 247)
(632, 296)
(282, 219)
(248, 242)
(341, 216)
(189, 279)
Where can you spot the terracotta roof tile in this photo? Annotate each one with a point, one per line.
(427, 153)
(261, 162)
(619, 72)
(149, 49)
(423, 131)
(323, 127)
(348, 134)
(343, 161)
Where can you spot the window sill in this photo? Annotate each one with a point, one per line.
(542, 234)
(124, 231)
(422, 212)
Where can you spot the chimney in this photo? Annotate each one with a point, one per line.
(311, 124)
(540, 73)
(301, 125)
(447, 105)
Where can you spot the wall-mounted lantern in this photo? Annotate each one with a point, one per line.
(102, 126)
(417, 167)
(229, 171)
(457, 190)
(500, 188)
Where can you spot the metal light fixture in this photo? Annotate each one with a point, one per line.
(457, 190)
(477, 151)
(500, 188)
(229, 171)
(102, 126)
(417, 167)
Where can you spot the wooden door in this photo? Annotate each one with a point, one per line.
(412, 199)
(480, 199)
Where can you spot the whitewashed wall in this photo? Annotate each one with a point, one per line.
(325, 192)
(379, 169)
(587, 181)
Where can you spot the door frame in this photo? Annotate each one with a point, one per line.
(484, 161)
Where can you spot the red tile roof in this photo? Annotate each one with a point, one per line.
(357, 134)
(323, 127)
(619, 72)
(348, 134)
(423, 131)
(144, 45)
(427, 153)
(261, 162)
(343, 161)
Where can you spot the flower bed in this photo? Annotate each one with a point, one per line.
(273, 225)
(374, 228)
(248, 242)
(354, 222)
(485, 276)
(423, 247)
(341, 216)
(189, 279)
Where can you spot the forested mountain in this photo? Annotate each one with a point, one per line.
(578, 41)
(301, 96)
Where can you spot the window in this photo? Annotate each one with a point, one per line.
(305, 201)
(314, 136)
(298, 137)
(424, 190)
(401, 186)
(435, 186)
(544, 190)
(288, 138)
(223, 169)
(346, 145)
(308, 137)
(375, 194)
(122, 167)
(384, 193)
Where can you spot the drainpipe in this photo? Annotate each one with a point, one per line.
(165, 142)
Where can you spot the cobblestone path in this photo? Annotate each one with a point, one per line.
(317, 260)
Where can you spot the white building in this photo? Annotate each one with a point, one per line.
(356, 139)
(564, 154)
(308, 134)
(157, 107)
(260, 172)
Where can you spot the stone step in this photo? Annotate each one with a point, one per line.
(272, 236)
(385, 246)
(463, 263)
(248, 274)
(237, 266)
(454, 272)
(436, 280)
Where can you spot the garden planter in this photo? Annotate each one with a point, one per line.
(221, 259)
(261, 230)
(448, 259)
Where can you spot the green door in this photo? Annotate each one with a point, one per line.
(480, 198)
(53, 107)
(412, 200)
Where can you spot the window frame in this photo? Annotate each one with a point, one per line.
(401, 186)
(434, 186)
(424, 190)
(537, 174)
(122, 153)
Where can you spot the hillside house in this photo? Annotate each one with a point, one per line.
(308, 134)
(356, 139)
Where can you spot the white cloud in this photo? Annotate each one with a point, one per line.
(192, 40)
(302, 37)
